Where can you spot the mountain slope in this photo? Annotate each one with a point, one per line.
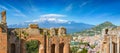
(95, 30)
(70, 25)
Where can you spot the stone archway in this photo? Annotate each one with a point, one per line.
(114, 45)
(33, 37)
(61, 48)
(106, 31)
(13, 48)
(33, 46)
(53, 48)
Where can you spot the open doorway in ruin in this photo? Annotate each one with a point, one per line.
(32, 46)
(114, 47)
(61, 48)
(106, 31)
(53, 48)
(13, 48)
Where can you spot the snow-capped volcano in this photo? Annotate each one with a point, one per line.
(54, 20)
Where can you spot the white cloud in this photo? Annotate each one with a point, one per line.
(3, 7)
(53, 15)
(84, 3)
(69, 7)
(56, 18)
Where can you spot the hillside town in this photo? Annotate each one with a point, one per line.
(77, 43)
(59, 26)
(107, 42)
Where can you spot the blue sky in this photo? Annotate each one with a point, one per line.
(86, 11)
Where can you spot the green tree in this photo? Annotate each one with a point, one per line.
(84, 50)
(32, 46)
(74, 49)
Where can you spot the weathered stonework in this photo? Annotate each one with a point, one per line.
(3, 34)
(111, 40)
(53, 40)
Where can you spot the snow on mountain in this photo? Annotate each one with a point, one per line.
(54, 20)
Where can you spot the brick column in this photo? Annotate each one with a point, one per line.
(23, 49)
(41, 48)
(57, 48)
(111, 47)
(3, 43)
(118, 45)
(49, 45)
(66, 48)
(107, 48)
(49, 50)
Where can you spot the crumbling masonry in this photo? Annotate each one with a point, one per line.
(111, 40)
(12, 40)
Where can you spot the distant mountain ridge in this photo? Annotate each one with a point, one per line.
(95, 30)
(70, 25)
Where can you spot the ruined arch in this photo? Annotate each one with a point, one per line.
(32, 46)
(34, 37)
(53, 48)
(114, 45)
(61, 48)
(106, 31)
(13, 48)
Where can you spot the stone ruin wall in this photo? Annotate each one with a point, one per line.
(12, 40)
(111, 40)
